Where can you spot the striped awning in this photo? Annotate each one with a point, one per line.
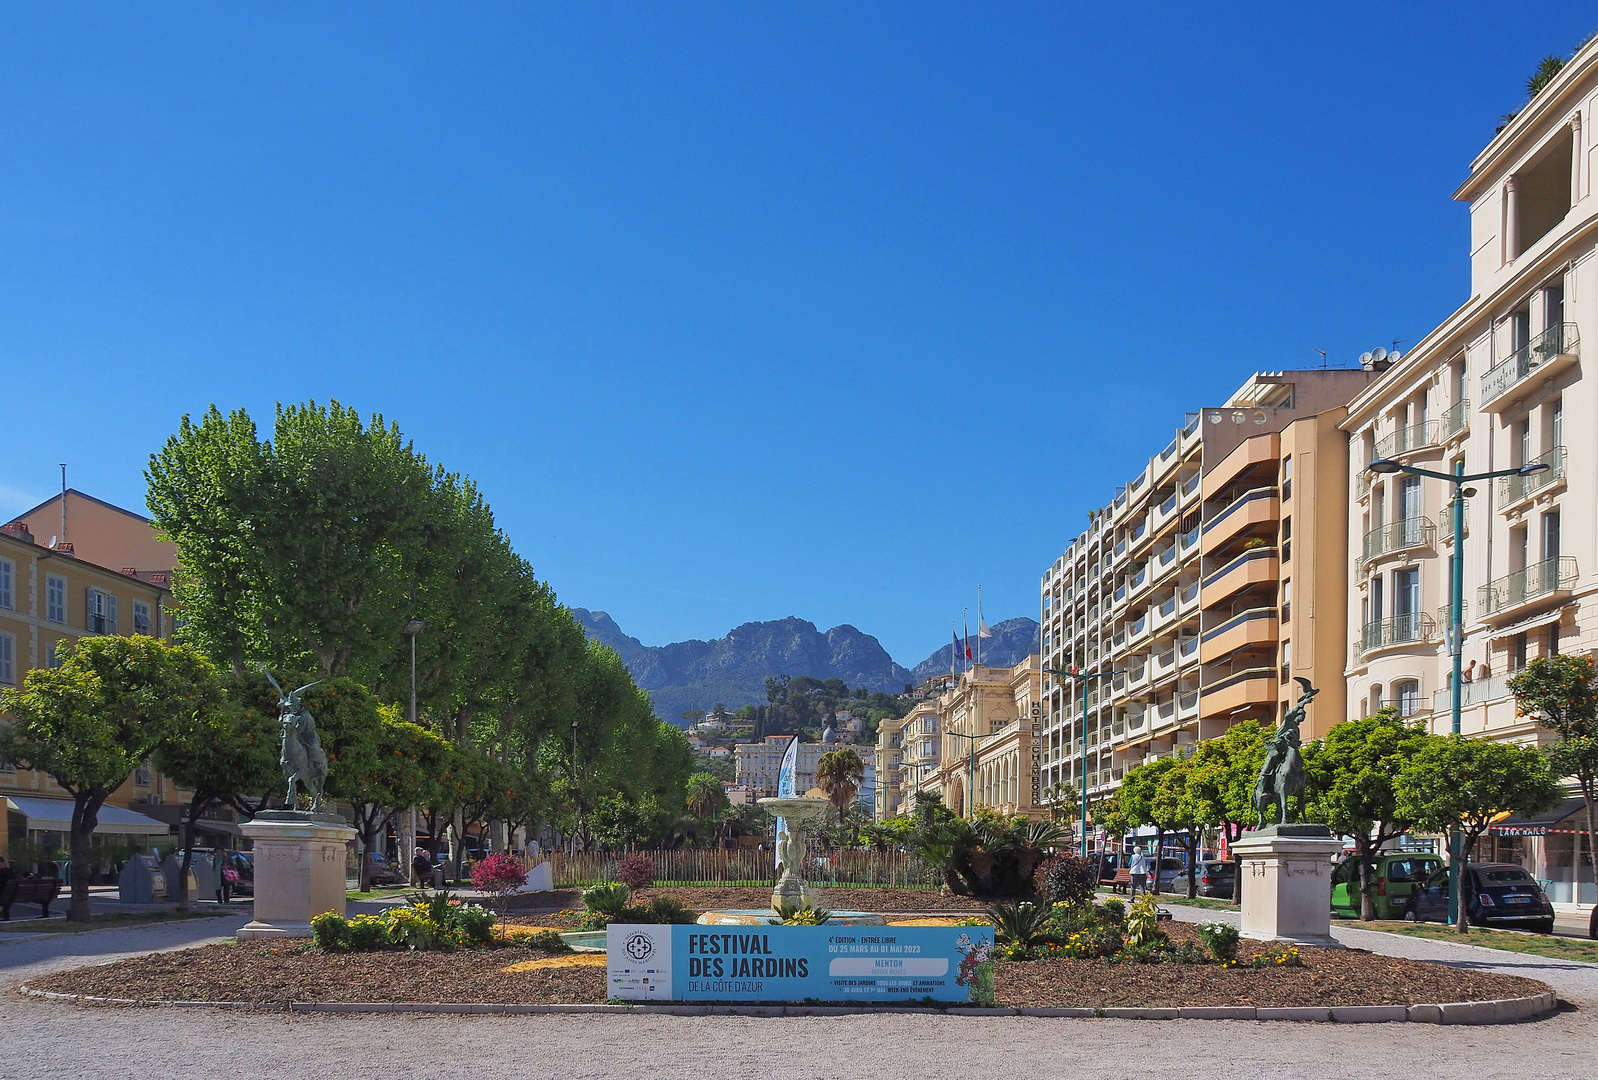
(1547, 618)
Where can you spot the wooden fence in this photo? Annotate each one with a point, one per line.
(749, 868)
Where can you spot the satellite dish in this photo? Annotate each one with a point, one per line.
(1365, 359)
(1378, 354)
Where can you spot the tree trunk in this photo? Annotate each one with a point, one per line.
(1367, 905)
(196, 806)
(1591, 795)
(85, 816)
(1192, 863)
(1159, 857)
(1464, 888)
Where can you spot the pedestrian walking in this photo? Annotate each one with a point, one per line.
(1139, 868)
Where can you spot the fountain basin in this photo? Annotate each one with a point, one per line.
(585, 940)
(763, 917)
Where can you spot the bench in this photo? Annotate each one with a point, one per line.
(41, 891)
(1121, 881)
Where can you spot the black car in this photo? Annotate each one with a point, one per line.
(1216, 877)
(1502, 895)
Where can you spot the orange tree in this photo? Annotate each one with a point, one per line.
(91, 721)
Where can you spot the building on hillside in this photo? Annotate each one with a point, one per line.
(1212, 579)
(889, 801)
(1500, 384)
(49, 596)
(759, 762)
(995, 768)
(103, 533)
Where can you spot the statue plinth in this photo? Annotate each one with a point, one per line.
(1287, 884)
(299, 870)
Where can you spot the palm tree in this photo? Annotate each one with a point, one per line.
(839, 773)
(705, 796)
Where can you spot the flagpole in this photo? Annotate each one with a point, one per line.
(979, 624)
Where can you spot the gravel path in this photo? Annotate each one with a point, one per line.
(49, 1040)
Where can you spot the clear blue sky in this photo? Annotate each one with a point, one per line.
(734, 311)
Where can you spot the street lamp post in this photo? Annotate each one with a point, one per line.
(971, 769)
(1082, 678)
(1455, 638)
(412, 630)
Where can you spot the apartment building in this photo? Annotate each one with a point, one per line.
(758, 764)
(102, 533)
(48, 596)
(1215, 576)
(907, 754)
(1500, 384)
(979, 733)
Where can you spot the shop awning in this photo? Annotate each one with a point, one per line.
(1539, 824)
(1547, 618)
(55, 815)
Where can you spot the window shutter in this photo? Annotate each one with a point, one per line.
(110, 612)
(88, 609)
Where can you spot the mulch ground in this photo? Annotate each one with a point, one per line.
(280, 974)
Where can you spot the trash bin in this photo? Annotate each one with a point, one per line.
(141, 881)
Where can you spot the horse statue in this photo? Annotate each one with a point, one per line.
(1282, 775)
(302, 759)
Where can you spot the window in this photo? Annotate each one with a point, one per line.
(1407, 697)
(1287, 598)
(1551, 535)
(55, 599)
(141, 617)
(55, 652)
(1517, 652)
(8, 659)
(100, 612)
(7, 571)
(1287, 478)
(1287, 658)
(142, 776)
(1287, 539)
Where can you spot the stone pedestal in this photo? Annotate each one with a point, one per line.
(299, 871)
(1287, 884)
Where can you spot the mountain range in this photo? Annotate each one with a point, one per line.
(732, 670)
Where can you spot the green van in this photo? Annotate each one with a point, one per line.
(1394, 875)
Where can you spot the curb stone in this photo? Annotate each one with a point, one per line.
(1504, 1011)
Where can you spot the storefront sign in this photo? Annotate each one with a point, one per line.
(800, 963)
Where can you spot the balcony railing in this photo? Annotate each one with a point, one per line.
(1417, 626)
(1362, 484)
(1402, 441)
(1246, 557)
(1561, 339)
(1539, 579)
(1455, 420)
(1415, 532)
(1472, 693)
(1239, 503)
(1512, 489)
(1238, 620)
(1237, 677)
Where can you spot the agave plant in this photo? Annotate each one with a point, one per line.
(1019, 924)
(790, 914)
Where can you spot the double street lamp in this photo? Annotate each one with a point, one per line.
(1455, 638)
(1082, 677)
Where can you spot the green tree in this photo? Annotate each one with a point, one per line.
(91, 721)
(840, 773)
(1155, 793)
(706, 797)
(1562, 693)
(1223, 772)
(1352, 777)
(1459, 786)
(225, 756)
(398, 771)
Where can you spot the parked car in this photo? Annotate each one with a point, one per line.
(1216, 877)
(1395, 875)
(381, 871)
(244, 863)
(1502, 895)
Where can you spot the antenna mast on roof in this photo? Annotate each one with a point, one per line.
(63, 502)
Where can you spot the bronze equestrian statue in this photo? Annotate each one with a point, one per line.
(1282, 775)
(303, 760)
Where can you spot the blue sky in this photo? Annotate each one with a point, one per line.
(734, 311)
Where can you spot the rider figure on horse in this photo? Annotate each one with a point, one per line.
(1282, 776)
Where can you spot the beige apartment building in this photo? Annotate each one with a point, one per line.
(1216, 575)
(758, 764)
(48, 596)
(976, 742)
(1498, 385)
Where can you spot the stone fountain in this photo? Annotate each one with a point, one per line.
(797, 813)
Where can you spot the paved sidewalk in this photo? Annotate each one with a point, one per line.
(47, 1040)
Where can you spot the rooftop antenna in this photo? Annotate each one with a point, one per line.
(63, 502)
(1323, 357)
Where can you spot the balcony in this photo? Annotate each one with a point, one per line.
(1186, 490)
(1240, 689)
(1186, 542)
(1407, 440)
(1551, 577)
(1362, 485)
(1254, 627)
(1252, 508)
(1405, 535)
(1475, 692)
(1455, 420)
(1187, 651)
(1414, 628)
(1256, 567)
(1187, 599)
(1187, 705)
(1545, 355)
(1514, 489)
